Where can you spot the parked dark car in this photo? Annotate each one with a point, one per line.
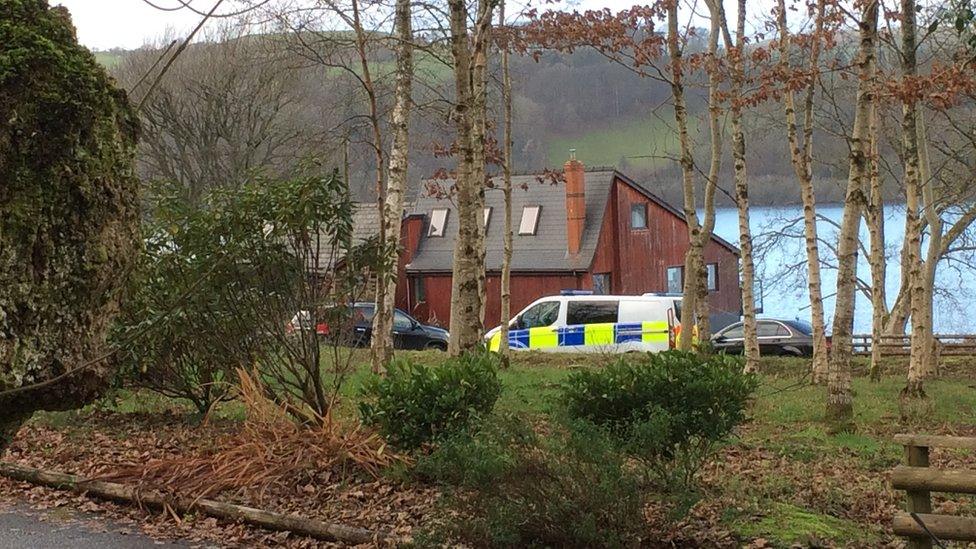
(408, 333)
(776, 337)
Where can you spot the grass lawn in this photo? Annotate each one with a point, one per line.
(646, 144)
(783, 478)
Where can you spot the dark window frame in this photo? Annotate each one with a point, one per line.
(419, 289)
(715, 266)
(667, 277)
(633, 208)
(608, 288)
(431, 233)
(535, 225)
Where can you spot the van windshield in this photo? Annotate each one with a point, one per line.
(677, 310)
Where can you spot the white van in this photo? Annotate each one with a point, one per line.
(594, 323)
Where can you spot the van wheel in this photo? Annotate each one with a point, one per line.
(437, 346)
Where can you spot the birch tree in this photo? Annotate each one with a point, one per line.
(840, 397)
(470, 55)
(801, 157)
(506, 274)
(750, 340)
(698, 233)
(381, 344)
(874, 217)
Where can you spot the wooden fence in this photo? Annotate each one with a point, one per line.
(945, 344)
(918, 480)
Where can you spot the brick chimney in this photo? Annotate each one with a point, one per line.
(575, 202)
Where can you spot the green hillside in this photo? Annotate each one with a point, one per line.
(644, 144)
(108, 59)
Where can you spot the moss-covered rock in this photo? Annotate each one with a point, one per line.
(68, 211)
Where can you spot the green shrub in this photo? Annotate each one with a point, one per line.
(415, 404)
(568, 489)
(669, 409)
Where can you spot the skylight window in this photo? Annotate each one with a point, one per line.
(487, 216)
(438, 222)
(530, 220)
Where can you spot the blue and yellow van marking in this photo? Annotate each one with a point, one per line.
(585, 334)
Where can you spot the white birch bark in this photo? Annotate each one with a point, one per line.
(750, 340)
(467, 289)
(913, 228)
(840, 397)
(801, 156)
(874, 217)
(381, 344)
(690, 290)
(506, 274)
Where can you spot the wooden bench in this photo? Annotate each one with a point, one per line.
(918, 480)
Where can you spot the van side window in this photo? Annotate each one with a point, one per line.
(591, 312)
(540, 314)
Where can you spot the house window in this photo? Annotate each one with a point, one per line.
(676, 279)
(601, 283)
(591, 312)
(530, 220)
(438, 221)
(638, 216)
(419, 290)
(487, 217)
(711, 275)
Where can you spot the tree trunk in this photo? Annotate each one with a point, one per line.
(381, 344)
(506, 282)
(913, 228)
(380, 349)
(704, 324)
(801, 156)
(69, 216)
(467, 289)
(874, 217)
(690, 291)
(479, 131)
(227, 511)
(750, 340)
(840, 398)
(935, 246)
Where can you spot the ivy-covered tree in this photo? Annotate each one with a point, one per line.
(68, 213)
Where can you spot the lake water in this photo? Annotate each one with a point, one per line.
(781, 268)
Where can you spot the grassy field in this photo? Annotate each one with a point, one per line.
(645, 144)
(782, 479)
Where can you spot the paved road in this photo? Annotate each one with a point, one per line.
(22, 528)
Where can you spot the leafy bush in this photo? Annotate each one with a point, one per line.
(669, 409)
(569, 489)
(415, 404)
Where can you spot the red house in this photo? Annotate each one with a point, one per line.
(596, 230)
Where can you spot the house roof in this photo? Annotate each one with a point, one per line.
(546, 251)
(365, 224)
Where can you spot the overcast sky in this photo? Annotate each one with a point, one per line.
(106, 24)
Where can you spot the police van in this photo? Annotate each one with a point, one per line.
(577, 321)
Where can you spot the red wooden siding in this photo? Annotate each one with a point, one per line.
(644, 255)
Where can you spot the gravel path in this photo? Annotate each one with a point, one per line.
(21, 527)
